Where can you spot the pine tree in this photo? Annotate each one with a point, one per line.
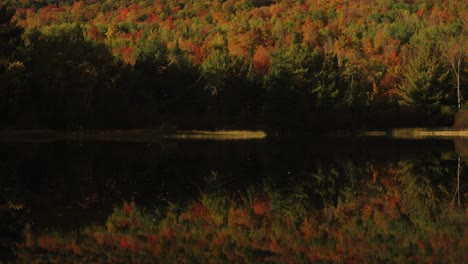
(424, 81)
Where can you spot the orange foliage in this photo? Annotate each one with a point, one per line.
(76, 6)
(75, 248)
(51, 243)
(127, 56)
(124, 13)
(261, 204)
(366, 212)
(152, 19)
(261, 61)
(238, 217)
(95, 33)
(367, 46)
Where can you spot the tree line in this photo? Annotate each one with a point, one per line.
(284, 66)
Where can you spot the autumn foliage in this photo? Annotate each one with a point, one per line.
(266, 44)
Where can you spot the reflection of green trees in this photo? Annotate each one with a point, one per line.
(381, 213)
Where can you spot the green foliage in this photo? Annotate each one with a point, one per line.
(201, 59)
(11, 68)
(424, 81)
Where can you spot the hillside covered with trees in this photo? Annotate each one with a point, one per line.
(284, 65)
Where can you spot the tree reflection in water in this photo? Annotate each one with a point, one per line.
(345, 212)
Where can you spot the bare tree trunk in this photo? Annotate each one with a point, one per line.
(457, 75)
(457, 191)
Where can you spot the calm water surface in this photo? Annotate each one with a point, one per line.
(333, 199)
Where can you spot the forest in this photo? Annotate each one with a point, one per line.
(279, 65)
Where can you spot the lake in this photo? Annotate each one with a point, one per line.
(330, 199)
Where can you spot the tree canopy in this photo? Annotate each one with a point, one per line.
(241, 63)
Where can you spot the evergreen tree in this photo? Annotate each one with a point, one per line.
(424, 82)
(11, 70)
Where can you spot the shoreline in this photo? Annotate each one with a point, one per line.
(146, 135)
(444, 132)
(130, 135)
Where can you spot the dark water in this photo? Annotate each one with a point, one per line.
(334, 199)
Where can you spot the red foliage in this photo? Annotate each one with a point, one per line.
(95, 33)
(203, 244)
(366, 212)
(124, 244)
(199, 211)
(152, 238)
(51, 243)
(127, 208)
(152, 19)
(202, 13)
(420, 12)
(124, 13)
(169, 23)
(261, 204)
(168, 233)
(197, 54)
(137, 35)
(393, 58)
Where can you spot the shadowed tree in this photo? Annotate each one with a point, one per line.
(11, 70)
(65, 71)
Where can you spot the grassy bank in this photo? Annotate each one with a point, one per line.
(131, 135)
(426, 132)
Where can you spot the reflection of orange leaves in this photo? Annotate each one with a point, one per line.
(238, 217)
(51, 243)
(380, 220)
(219, 240)
(309, 227)
(261, 204)
(128, 208)
(275, 247)
(199, 211)
(203, 244)
(99, 237)
(75, 248)
(421, 246)
(153, 239)
(28, 239)
(393, 201)
(391, 213)
(366, 212)
(157, 250)
(124, 243)
(168, 233)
